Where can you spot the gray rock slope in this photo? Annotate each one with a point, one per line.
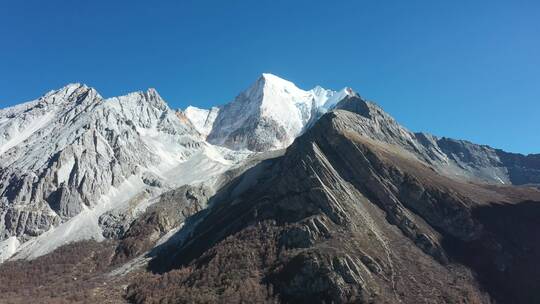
(65, 151)
(456, 158)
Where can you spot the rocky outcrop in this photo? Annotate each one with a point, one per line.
(169, 212)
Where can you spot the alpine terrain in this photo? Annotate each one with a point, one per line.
(282, 195)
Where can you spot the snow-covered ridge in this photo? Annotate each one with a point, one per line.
(70, 156)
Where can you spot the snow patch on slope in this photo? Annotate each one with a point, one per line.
(202, 119)
(202, 166)
(16, 134)
(327, 99)
(83, 226)
(8, 247)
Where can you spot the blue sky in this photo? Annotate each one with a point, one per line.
(462, 69)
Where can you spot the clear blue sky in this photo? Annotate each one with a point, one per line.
(462, 69)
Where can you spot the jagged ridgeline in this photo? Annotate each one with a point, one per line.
(281, 195)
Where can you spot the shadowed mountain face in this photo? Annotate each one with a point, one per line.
(355, 212)
(505, 258)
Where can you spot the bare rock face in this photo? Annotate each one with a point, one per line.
(493, 165)
(63, 152)
(114, 224)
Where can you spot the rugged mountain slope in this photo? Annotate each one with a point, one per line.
(270, 114)
(514, 168)
(455, 158)
(346, 216)
(72, 152)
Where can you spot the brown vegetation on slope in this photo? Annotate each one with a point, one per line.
(74, 273)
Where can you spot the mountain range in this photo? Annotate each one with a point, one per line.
(280, 195)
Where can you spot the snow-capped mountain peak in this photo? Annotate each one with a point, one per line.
(71, 93)
(271, 91)
(272, 82)
(67, 90)
(153, 96)
(270, 114)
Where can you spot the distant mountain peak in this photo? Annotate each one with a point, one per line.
(68, 88)
(72, 92)
(271, 85)
(275, 80)
(153, 96)
(270, 114)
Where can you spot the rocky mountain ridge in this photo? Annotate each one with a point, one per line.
(456, 158)
(72, 151)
